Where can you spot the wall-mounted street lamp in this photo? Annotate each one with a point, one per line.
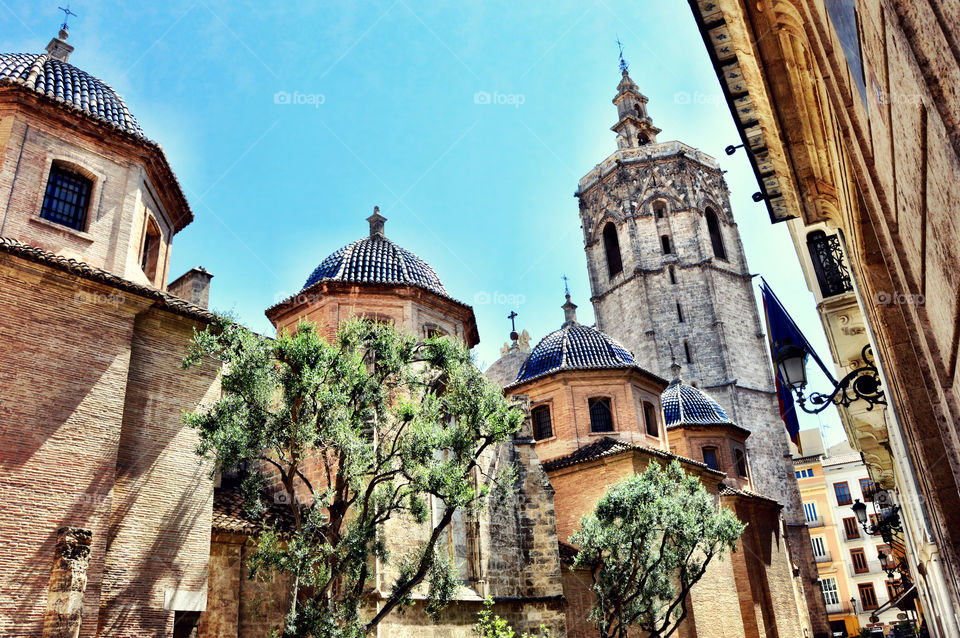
(887, 525)
(860, 384)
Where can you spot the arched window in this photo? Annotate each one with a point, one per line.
(740, 460)
(686, 351)
(713, 226)
(601, 416)
(659, 210)
(650, 418)
(150, 250)
(642, 139)
(710, 458)
(67, 197)
(542, 426)
(673, 275)
(611, 244)
(665, 243)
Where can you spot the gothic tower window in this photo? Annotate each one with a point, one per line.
(659, 210)
(679, 313)
(611, 245)
(686, 351)
(666, 245)
(67, 197)
(673, 275)
(713, 226)
(542, 426)
(601, 417)
(650, 418)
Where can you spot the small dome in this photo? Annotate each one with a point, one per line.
(68, 84)
(575, 347)
(377, 260)
(686, 405)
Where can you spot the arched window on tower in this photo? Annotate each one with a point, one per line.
(740, 460)
(713, 226)
(679, 313)
(611, 245)
(642, 139)
(710, 457)
(686, 351)
(150, 250)
(650, 418)
(659, 210)
(666, 245)
(673, 275)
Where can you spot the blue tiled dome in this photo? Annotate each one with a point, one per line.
(574, 347)
(686, 405)
(71, 86)
(377, 260)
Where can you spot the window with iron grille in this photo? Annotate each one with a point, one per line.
(710, 458)
(868, 597)
(819, 549)
(542, 427)
(740, 460)
(66, 198)
(827, 257)
(850, 527)
(601, 418)
(810, 511)
(650, 419)
(859, 560)
(842, 490)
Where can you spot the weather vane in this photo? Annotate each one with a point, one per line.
(66, 16)
(566, 285)
(623, 63)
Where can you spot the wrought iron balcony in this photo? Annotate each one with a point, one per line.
(827, 256)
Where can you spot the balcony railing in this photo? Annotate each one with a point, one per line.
(827, 256)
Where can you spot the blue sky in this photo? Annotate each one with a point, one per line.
(287, 122)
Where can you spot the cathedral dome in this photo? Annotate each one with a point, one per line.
(70, 86)
(686, 405)
(574, 347)
(376, 259)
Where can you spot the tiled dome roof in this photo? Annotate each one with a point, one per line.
(575, 347)
(686, 405)
(377, 260)
(71, 86)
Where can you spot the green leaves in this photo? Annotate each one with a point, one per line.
(648, 541)
(372, 426)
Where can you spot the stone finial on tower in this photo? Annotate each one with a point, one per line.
(58, 48)
(377, 222)
(569, 312)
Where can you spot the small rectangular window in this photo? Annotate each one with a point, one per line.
(850, 528)
(842, 490)
(710, 458)
(866, 486)
(810, 511)
(542, 427)
(601, 417)
(868, 597)
(66, 198)
(650, 419)
(819, 549)
(829, 588)
(859, 560)
(740, 460)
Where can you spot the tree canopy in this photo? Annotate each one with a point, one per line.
(372, 426)
(647, 543)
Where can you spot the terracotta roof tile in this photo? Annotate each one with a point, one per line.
(229, 514)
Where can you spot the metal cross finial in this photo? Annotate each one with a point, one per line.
(512, 317)
(66, 16)
(623, 63)
(566, 285)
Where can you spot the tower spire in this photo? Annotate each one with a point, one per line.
(634, 128)
(58, 48)
(377, 222)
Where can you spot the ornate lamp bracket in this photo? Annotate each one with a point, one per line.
(860, 384)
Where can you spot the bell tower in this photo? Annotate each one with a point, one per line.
(669, 280)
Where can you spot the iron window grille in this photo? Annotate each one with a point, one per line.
(66, 198)
(601, 417)
(542, 426)
(828, 264)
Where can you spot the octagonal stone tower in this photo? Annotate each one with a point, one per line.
(669, 280)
